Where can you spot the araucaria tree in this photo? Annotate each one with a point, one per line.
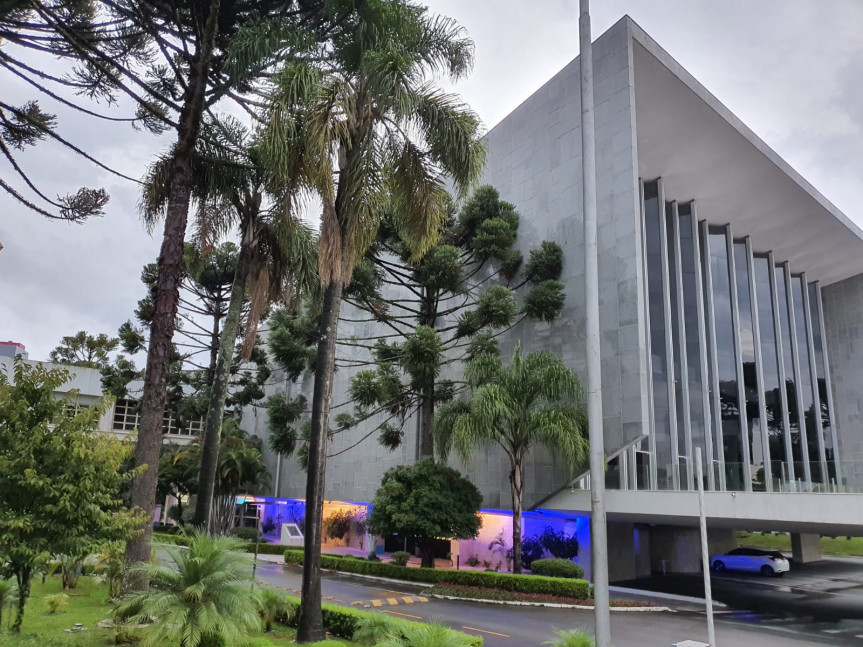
(372, 129)
(173, 60)
(427, 500)
(536, 400)
(47, 501)
(455, 300)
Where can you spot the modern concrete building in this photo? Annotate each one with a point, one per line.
(731, 310)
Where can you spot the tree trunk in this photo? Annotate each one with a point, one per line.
(166, 297)
(311, 628)
(426, 554)
(426, 415)
(516, 487)
(219, 389)
(23, 578)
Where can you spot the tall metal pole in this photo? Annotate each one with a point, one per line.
(599, 540)
(705, 558)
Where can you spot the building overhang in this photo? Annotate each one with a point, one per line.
(826, 514)
(702, 152)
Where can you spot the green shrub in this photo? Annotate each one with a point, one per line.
(182, 540)
(570, 588)
(401, 558)
(249, 534)
(557, 568)
(558, 543)
(338, 524)
(57, 602)
(571, 638)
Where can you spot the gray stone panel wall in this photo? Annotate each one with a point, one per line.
(843, 321)
(535, 162)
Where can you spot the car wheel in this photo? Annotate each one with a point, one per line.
(718, 566)
(766, 571)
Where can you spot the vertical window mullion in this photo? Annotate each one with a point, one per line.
(681, 350)
(783, 371)
(703, 339)
(714, 362)
(828, 385)
(738, 360)
(669, 343)
(759, 368)
(813, 371)
(651, 421)
(795, 355)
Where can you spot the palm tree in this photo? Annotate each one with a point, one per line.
(200, 597)
(369, 131)
(536, 400)
(276, 257)
(8, 596)
(241, 468)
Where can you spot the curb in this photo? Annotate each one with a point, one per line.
(666, 596)
(552, 605)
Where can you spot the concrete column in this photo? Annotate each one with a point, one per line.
(805, 547)
(721, 540)
(621, 552)
(642, 551)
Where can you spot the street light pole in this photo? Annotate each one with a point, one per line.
(598, 530)
(705, 557)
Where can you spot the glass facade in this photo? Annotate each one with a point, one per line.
(737, 360)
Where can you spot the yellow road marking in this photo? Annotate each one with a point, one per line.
(393, 602)
(356, 602)
(406, 615)
(484, 631)
(377, 603)
(408, 600)
(422, 599)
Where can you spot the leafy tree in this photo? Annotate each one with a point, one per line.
(241, 468)
(368, 129)
(178, 473)
(441, 304)
(47, 501)
(84, 349)
(535, 400)
(426, 500)
(200, 597)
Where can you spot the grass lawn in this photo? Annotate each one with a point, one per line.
(843, 546)
(88, 604)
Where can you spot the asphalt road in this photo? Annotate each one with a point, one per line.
(824, 598)
(506, 626)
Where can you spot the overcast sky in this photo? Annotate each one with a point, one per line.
(790, 69)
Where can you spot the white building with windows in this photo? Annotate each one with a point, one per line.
(120, 419)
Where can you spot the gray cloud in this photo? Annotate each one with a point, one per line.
(790, 69)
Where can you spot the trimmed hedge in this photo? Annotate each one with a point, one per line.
(569, 588)
(182, 540)
(557, 568)
(344, 621)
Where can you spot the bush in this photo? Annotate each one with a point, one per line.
(557, 568)
(570, 588)
(183, 540)
(338, 524)
(559, 544)
(401, 558)
(248, 534)
(57, 602)
(531, 550)
(473, 560)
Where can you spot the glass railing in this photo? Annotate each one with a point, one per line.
(843, 477)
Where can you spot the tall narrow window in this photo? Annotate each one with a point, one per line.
(726, 359)
(678, 446)
(655, 287)
(810, 429)
(770, 370)
(751, 388)
(696, 386)
(790, 378)
(821, 369)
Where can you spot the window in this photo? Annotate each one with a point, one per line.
(125, 415)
